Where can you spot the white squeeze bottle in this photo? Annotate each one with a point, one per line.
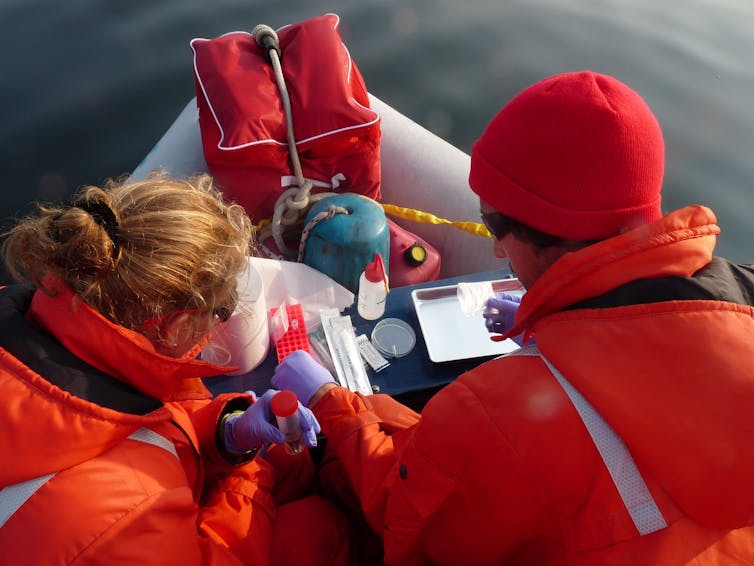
(373, 289)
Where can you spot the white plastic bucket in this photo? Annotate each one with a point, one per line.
(244, 340)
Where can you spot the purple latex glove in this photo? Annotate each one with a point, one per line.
(500, 314)
(298, 372)
(254, 428)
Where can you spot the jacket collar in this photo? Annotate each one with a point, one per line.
(678, 244)
(117, 351)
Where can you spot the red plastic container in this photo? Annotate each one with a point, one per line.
(412, 259)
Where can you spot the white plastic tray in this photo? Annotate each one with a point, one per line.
(449, 333)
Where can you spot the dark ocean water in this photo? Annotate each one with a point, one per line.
(87, 87)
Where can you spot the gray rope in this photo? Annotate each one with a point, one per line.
(331, 211)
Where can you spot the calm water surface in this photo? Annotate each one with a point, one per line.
(89, 86)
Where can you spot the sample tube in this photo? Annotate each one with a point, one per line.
(284, 406)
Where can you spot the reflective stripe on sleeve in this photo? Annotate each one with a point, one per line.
(149, 436)
(12, 497)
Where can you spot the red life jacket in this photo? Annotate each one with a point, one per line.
(243, 123)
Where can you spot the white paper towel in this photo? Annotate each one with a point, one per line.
(289, 282)
(472, 296)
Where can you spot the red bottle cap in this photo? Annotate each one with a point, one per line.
(284, 404)
(375, 270)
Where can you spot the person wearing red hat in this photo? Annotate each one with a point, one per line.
(622, 433)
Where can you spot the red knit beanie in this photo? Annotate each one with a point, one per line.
(578, 155)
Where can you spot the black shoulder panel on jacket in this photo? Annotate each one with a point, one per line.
(720, 280)
(44, 355)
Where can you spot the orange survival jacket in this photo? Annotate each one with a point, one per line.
(659, 338)
(122, 440)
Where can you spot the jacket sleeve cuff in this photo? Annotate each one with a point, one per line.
(209, 424)
(341, 412)
(231, 457)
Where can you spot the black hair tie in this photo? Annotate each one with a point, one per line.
(105, 217)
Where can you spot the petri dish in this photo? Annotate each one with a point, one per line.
(393, 337)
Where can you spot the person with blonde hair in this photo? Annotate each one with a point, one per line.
(113, 450)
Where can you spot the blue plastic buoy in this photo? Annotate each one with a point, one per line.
(342, 245)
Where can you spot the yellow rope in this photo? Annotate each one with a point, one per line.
(426, 218)
(414, 215)
(262, 223)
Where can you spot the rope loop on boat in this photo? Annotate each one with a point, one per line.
(290, 207)
(292, 203)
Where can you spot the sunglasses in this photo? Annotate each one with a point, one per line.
(498, 224)
(223, 313)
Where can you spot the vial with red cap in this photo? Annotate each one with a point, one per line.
(284, 405)
(373, 289)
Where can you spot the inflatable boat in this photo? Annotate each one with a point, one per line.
(420, 172)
